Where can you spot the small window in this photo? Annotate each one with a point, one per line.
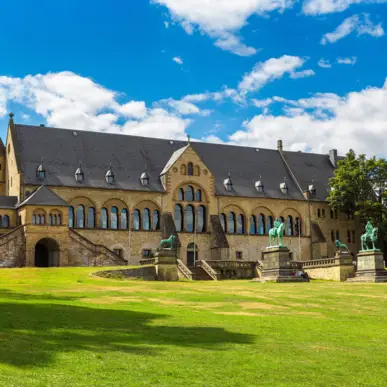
(331, 214)
(337, 235)
(239, 255)
(118, 252)
(323, 213)
(190, 169)
(319, 213)
(332, 236)
(146, 253)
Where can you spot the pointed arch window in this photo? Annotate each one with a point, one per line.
(189, 194)
(297, 227)
(146, 219)
(71, 217)
(180, 195)
(253, 225)
(80, 216)
(5, 222)
(189, 218)
(241, 224)
(190, 169)
(114, 218)
(198, 195)
(231, 223)
(178, 217)
(91, 217)
(124, 219)
(261, 224)
(222, 218)
(137, 219)
(289, 226)
(269, 222)
(201, 219)
(155, 220)
(104, 217)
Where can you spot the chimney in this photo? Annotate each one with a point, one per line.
(333, 157)
(279, 145)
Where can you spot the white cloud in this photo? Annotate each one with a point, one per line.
(357, 23)
(178, 60)
(349, 61)
(262, 103)
(166, 24)
(222, 19)
(318, 7)
(135, 109)
(302, 74)
(324, 63)
(322, 122)
(268, 71)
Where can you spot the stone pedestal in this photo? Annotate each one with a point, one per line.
(370, 267)
(166, 265)
(277, 266)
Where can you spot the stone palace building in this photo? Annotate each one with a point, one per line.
(72, 197)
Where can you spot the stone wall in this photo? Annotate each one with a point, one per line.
(12, 248)
(334, 269)
(147, 273)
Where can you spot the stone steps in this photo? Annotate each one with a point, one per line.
(199, 274)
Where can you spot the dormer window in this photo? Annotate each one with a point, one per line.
(284, 188)
(41, 172)
(259, 186)
(228, 183)
(109, 176)
(144, 179)
(312, 189)
(79, 175)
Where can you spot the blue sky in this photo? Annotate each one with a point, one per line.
(246, 72)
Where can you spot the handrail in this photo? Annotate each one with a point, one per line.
(208, 269)
(147, 261)
(184, 269)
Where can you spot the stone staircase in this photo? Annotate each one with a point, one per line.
(202, 271)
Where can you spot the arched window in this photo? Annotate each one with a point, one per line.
(282, 219)
(5, 221)
(91, 217)
(179, 217)
(190, 169)
(189, 194)
(253, 225)
(261, 224)
(198, 195)
(241, 224)
(38, 220)
(318, 213)
(104, 217)
(136, 219)
(298, 226)
(289, 226)
(337, 235)
(114, 218)
(124, 219)
(180, 194)
(189, 218)
(146, 219)
(51, 220)
(155, 220)
(54, 219)
(231, 223)
(183, 170)
(269, 223)
(201, 219)
(80, 216)
(197, 170)
(332, 236)
(71, 217)
(59, 220)
(223, 221)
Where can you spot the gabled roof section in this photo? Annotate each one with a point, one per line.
(2, 148)
(175, 156)
(8, 202)
(43, 196)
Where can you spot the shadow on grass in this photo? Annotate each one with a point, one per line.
(32, 333)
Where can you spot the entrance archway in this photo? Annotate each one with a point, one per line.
(192, 254)
(47, 253)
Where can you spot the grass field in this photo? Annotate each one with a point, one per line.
(63, 327)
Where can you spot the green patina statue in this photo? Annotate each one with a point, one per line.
(340, 246)
(167, 243)
(276, 233)
(371, 234)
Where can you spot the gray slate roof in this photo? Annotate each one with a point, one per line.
(8, 201)
(43, 196)
(62, 150)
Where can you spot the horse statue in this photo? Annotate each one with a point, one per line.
(371, 234)
(340, 246)
(167, 243)
(276, 233)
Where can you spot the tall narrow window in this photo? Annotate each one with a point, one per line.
(198, 195)
(155, 220)
(33, 220)
(190, 169)
(146, 219)
(189, 218)
(178, 217)
(323, 213)
(59, 220)
(338, 235)
(124, 219)
(223, 221)
(241, 224)
(298, 226)
(43, 220)
(80, 216)
(104, 217)
(332, 236)
(331, 214)
(201, 219)
(269, 222)
(181, 194)
(253, 225)
(51, 220)
(261, 224)
(353, 236)
(231, 223)
(6, 221)
(114, 218)
(289, 226)
(282, 219)
(71, 217)
(136, 219)
(189, 194)
(349, 236)
(91, 217)
(319, 213)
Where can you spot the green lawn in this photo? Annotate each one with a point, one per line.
(63, 327)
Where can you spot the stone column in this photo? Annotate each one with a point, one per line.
(166, 265)
(370, 267)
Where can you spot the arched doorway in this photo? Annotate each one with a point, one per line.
(46, 253)
(192, 254)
